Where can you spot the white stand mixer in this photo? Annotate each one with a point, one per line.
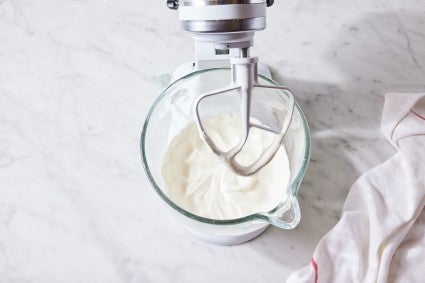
(223, 31)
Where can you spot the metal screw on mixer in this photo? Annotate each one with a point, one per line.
(173, 4)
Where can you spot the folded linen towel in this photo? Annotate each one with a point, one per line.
(381, 234)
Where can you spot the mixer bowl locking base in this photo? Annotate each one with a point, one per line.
(228, 240)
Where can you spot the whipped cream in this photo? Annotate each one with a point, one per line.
(201, 183)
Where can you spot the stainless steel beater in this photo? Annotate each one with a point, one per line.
(223, 31)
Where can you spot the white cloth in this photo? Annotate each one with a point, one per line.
(381, 234)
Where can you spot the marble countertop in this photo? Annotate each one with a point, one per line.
(76, 81)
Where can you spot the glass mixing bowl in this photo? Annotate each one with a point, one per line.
(172, 111)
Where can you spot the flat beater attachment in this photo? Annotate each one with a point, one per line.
(244, 80)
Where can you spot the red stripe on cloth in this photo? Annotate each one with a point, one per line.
(417, 114)
(316, 270)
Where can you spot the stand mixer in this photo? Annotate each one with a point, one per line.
(223, 31)
(224, 79)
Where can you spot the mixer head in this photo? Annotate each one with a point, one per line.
(224, 24)
(227, 27)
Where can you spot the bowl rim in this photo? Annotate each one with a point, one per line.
(293, 187)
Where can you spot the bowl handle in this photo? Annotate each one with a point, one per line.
(285, 217)
(163, 81)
